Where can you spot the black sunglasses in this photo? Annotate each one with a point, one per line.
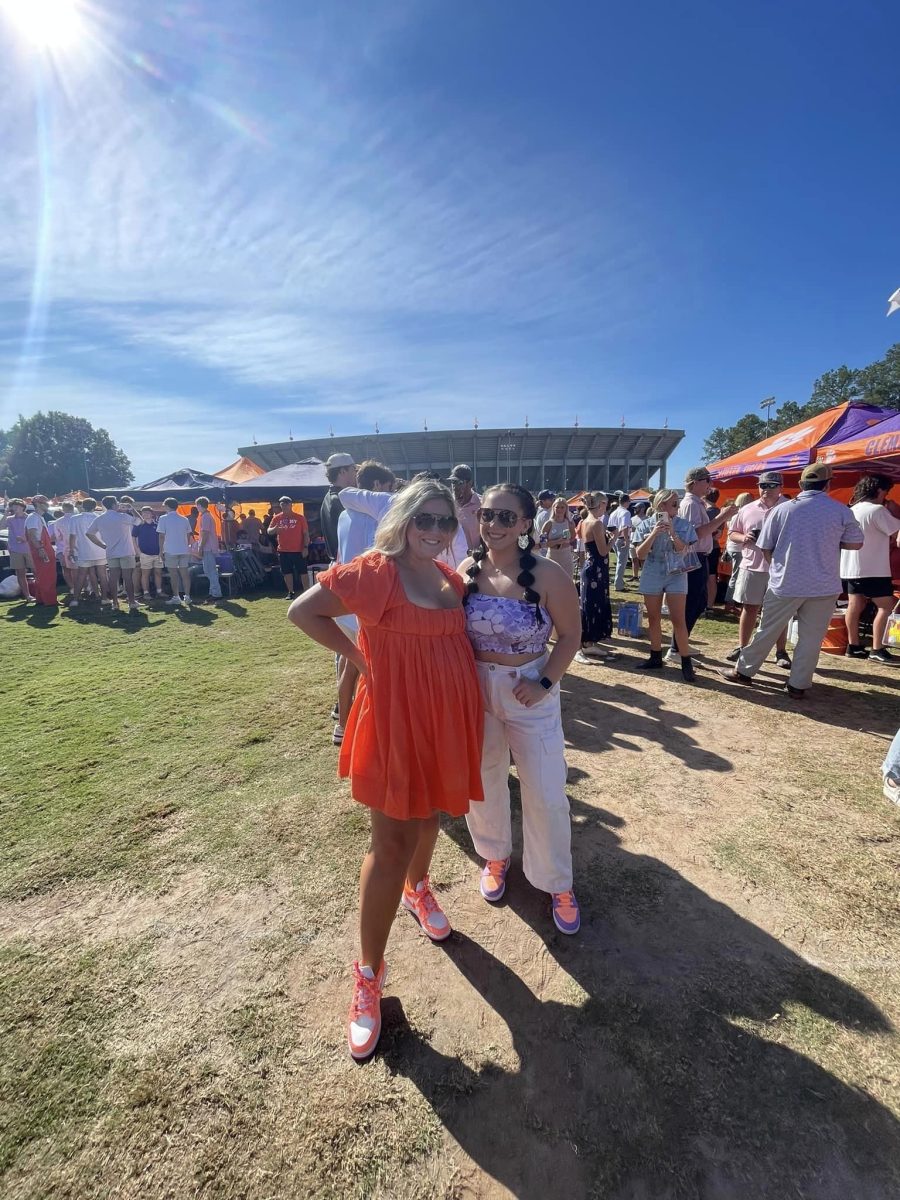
(503, 516)
(766, 487)
(425, 522)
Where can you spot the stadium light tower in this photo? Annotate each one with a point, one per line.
(768, 405)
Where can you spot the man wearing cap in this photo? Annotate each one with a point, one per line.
(692, 508)
(802, 540)
(618, 525)
(468, 502)
(544, 515)
(753, 574)
(292, 532)
(341, 472)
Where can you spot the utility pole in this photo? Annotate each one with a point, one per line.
(768, 405)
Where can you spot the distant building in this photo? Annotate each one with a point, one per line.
(564, 460)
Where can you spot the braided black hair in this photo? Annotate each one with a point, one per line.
(527, 561)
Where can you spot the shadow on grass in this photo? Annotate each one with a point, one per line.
(613, 723)
(39, 616)
(671, 1073)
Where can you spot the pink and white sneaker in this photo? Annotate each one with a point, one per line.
(421, 902)
(364, 1021)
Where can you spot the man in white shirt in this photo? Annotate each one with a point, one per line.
(376, 504)
(59, 531)
(89, 560)
(111, 531)
(866, 572)
(175, 550)
(544, 515)
(618, 525)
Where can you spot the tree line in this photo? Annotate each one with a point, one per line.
(56, 453)
(878, 383)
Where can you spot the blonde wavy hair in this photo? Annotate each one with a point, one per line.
(391, 536)
(663, 496)
(743, 498)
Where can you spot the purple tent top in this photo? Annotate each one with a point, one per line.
(795, 448)
(875, 449)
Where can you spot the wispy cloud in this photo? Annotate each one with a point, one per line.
(306, 237)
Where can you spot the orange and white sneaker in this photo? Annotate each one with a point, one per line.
(424, 907)
(364, 1022)
(566, 913)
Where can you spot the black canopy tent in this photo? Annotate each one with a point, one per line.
(185, 485)
(305, 482)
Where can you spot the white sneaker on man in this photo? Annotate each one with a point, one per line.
(173, 601)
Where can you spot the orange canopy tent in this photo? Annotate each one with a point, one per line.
(241, 470)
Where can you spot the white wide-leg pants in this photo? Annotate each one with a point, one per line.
(534, 736)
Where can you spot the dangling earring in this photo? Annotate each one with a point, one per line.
(523, 540)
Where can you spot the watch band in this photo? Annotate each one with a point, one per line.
(545, 683)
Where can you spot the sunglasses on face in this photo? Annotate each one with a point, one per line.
(425, 522)
(503, 516)
(768, 487)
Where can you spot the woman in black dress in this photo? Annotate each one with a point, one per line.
(596, 612)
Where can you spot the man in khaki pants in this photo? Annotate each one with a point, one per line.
(801, 541)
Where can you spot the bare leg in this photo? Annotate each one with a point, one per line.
(420, 862)
(136, 581)
(855, 608)
(346, 689)
(157, 575)
(679, 625)
(112, 584)
(747, 623)
(145, 584)
(653, 605)
(184, 574)
(22, 578)
(884, 605)
(712, 586)
(381, 883)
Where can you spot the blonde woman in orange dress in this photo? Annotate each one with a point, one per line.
(412, 743)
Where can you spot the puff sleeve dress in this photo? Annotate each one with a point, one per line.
(412, 744)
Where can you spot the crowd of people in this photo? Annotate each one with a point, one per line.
(453, 617)
(115, 551)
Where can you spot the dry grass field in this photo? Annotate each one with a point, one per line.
(177, 907)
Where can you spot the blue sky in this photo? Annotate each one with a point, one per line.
(227, 220)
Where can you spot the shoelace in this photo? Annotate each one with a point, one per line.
(365, 996)
(426, 897)
(565, 899)
(496, 867)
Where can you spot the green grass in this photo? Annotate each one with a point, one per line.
(177, 910)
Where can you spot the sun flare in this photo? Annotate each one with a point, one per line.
(50, 25)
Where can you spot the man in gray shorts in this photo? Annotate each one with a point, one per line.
(753, 575)
(112, 532)
(175, 548)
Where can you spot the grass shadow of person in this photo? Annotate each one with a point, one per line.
(669, 1072)
(39, 616)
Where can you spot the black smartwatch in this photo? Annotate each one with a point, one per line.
(545, 683)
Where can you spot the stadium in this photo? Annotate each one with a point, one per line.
(564, 460)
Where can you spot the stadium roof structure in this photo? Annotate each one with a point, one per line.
(562, 459)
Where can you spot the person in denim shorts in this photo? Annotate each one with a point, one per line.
(660, 535)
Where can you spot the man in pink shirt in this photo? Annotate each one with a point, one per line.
(753, 577)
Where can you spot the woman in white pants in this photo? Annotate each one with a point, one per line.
(514, 600)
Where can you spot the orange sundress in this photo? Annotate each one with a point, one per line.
(412, 745)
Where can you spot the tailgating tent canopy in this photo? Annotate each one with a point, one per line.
(795, 448)
(241, 470)
(185, 477)
(876, 452)
(301, 481)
